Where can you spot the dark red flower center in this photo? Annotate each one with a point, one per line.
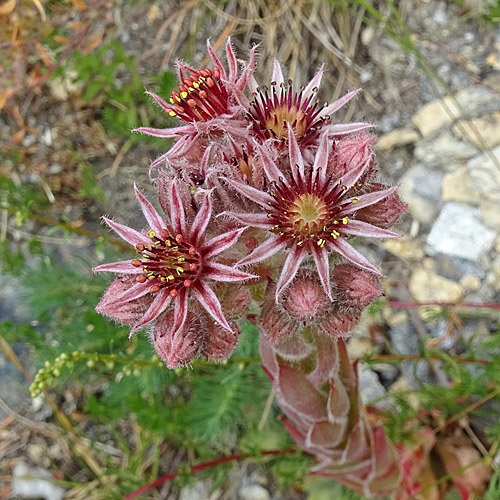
(271, 112)
(168, 262)
(200, 97)
(306, 214)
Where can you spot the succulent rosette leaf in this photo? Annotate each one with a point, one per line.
(308, 212)
(175, 265)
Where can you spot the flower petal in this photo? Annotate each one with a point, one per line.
(254, 220)
(163, 104)
(351, 176)
(211, 303)
(343, 248)
(134, 292)
(216, 61)
(177, 216)
(220, 272)
(292, 263)
(347, 128)
(122, 267)
(127, 233)
(336, 105)
(165, 132)
(267, 249)
(260, 197)
(320, 255)
(152, 216)
(231, 61)
(220, 243)
(277, 75)
(202, 219)
(360, 228)
(159, 304)
(353, 204)
(180, 311)
(314, 83)
(295, 156)
(270, 168)
(321, 161)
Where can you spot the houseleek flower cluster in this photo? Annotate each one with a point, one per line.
(264, 189)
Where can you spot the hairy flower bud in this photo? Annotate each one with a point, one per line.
(219, 342)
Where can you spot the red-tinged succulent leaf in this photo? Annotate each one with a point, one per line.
(300, 394)
(184, 346)
(219, 342)
(327, 361)
(326, 435)
(268, 358)
(339, 403)
(358, 445)
(292, 347)
(126, 313)
(152, 216)
(295, 434)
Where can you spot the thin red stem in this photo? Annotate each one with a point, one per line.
(472, 305)
(205, 465)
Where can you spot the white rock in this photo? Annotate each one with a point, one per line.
(32, 482)
(398, 137)
(490, 214)
(484, 172)
(426, 286)
(482, 133)
(444, 150)
(421, 190)
(459, 232)
(199, 491)
(457, 186)
(253, 492)
(406, 248)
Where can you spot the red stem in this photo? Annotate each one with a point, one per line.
(204, 465)
(472, 305)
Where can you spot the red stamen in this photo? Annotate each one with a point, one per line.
(136, 263)
(174, 293)
(154, 289)
(141, 278)
(187, 283)
(216, 72)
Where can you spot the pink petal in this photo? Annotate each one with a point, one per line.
(351, 177)
(122, 267)
(295, 156)
(216, 61)
(220, 243)
(267, 249)
(177, 215)
(127, 233)
(365, 200)
(220, 272)
(292, 263)
(321, 161)
(163, 104)
(160, 303)
(320, 255)
(165, 132)
(202, 219)
(253, 85)
(204, 161)
(270, 168)
(347, 128)
(350, 253)
(336, 105)
(180, 311)
(254, 220)
(158, 160)
(360, 228)
(260, 197)
(314, 83)
(134, 292)
(277, 75)
(154, 220)
(231, 61)
(247, 73)
(211, 303)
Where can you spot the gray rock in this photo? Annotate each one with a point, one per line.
(484, 172)
(445, 151)
(369, 385)
(455, 268)
(459, 232)
(421, 190)
(253, 492)
(199, 491)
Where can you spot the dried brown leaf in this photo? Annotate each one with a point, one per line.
(7, 7)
